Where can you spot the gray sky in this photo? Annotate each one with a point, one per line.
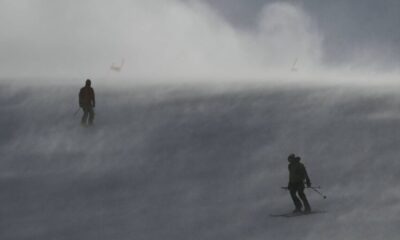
(198, 39)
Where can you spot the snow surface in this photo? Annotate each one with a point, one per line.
(186, 162)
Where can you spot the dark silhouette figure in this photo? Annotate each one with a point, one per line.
(87, 103)
(297, 176)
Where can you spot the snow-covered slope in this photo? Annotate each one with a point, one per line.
(190, 163)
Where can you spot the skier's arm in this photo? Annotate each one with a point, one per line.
(288, 185)
(94, 101)
(308, 182)
(80, 98)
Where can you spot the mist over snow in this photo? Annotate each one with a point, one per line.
(191, 138)
(164, 41)
(157, 39)
(189, 163)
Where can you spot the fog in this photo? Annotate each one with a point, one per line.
(184, 162)
(191, 136)
(184, 40)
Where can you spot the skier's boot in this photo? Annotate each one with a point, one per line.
(307, 210)
(297, 210)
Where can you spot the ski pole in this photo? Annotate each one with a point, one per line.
(313, 188)
(77, 111)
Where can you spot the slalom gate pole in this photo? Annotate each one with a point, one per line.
(315, 190)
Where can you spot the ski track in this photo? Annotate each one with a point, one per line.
(187, 163)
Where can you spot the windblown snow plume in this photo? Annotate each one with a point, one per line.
(159, 40)
(181, 163)
(174, 161)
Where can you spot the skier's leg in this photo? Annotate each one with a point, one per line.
(303, 198)
(91, 116)
(85, 116)
(295, 199)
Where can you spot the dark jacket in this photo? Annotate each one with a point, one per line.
(298, 173)
(86, 97)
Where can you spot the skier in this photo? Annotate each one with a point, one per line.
(87, 103)
(297, 176)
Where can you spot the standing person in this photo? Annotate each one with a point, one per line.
(87, 103)
(297, 176)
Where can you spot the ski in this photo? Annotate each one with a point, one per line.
(297, 214)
